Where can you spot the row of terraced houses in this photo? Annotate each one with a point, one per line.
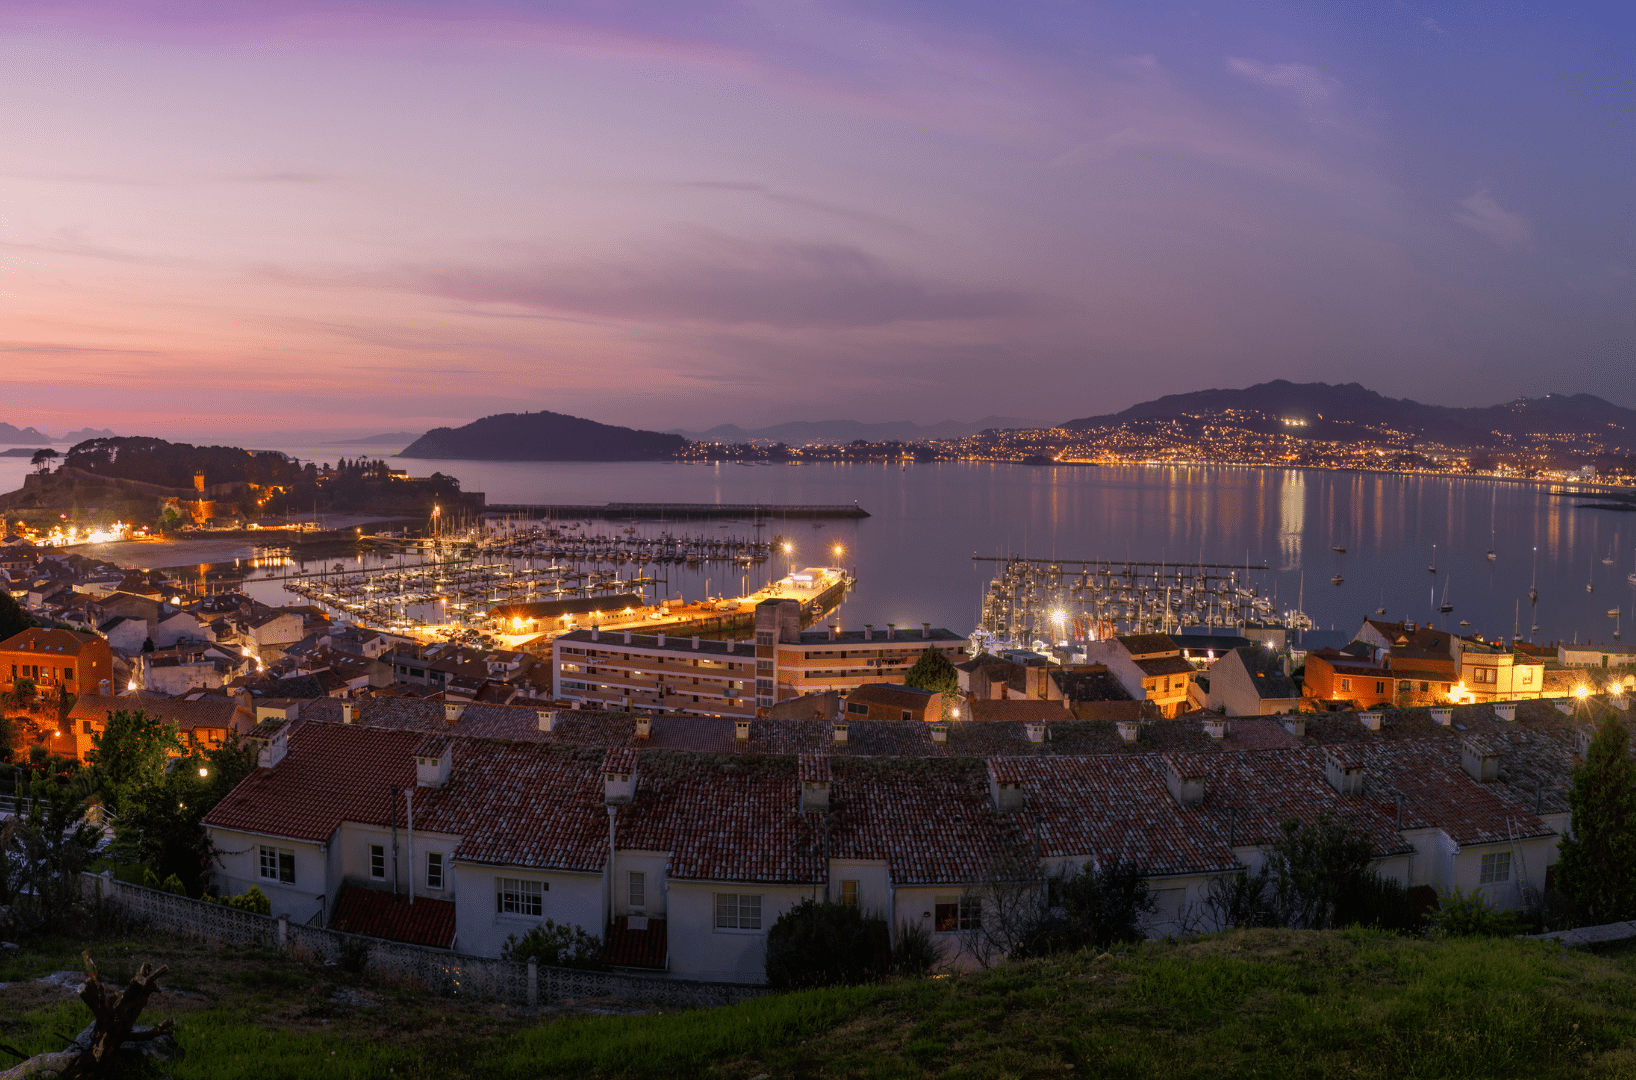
(680, 840)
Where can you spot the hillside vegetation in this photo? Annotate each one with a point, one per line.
(1266, 1003)
(543, 436)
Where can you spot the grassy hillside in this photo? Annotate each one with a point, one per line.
(1249, 1004)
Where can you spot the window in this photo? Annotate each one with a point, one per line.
(907, 715)
(86, 726)
(849, 893)
(1380, 686)
(434, 869)
(637, 890)
(1527, 676)
(857, 708)
(1483, 675)
(1346, 684)
(738, 911)
(518, 896)
(1496, 868)
(958, 913)
(67, 673)
(278, 864)
(1425, 687)
(377, 861)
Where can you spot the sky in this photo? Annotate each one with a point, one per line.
(232, 218)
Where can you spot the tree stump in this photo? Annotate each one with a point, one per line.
(115, 1013)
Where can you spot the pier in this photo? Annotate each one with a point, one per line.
(666, 511)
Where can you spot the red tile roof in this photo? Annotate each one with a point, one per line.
(379, 914)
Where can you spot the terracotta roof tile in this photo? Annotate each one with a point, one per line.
(427, 921)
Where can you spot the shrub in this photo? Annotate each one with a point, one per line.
(915, 953)
(173, 884)
(824, 943)
(1597, 871)
(1382, 903)
(1101, 904)
(559, 945)
(252, 900)
(150, 880)
(354, 954)
(1462, 914)
(1240, 901)
(1314, 869)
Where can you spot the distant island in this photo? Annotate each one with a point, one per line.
(20, 451)
(543, 436)
(390, 438)
(84, 434)
(9, 435)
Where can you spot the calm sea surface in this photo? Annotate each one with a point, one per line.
(914, 563)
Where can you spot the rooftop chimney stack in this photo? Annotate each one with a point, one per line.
(813, 773)
(452, 711)
(1185, 779)
(926, 631)
(346, 712)
(741, 730)
(434, 771)
(547, 718)
(832, 631)
(1005, 785)
(627, 637)
(596, 633)
(644, 727)
(659, 639)
(891, 631)
(837, 731)
(869, 631)
(1480, 760)
(1129, 730)
(619, 775)
(1345, 775)
(695, 642)
(730, 644)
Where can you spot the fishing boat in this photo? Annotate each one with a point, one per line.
(1445, 607)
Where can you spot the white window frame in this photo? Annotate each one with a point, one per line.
(968, 913)
(377, 851)
(636, 890)
(523, 897)
(434, 859)
(278, 860)
(1495, 868)
(739, 913)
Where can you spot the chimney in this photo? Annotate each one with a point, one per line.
(627, 637)
(596, 633)
(832, 630)
(452, 711)
(730, 644)
(1582, 742)
(1445, 717)
(837, 731)
(1215, 727)
(1286, 665)
(891, 631)
(1005, 785)
(1370, 719)
(1035, 731)
(619, 775)
(1185, 779)
(547, 718)
(940, 731)
(272, 750)
(1506, 710)
(346, 712)
(104, 686)
(813, 772)
(695, 642)
(644, 727)
(741, 730)
(659, 639)
(434, 771)
(1129, 730)
(1296, 726)
(869, 631)
(1480, 759)
(1344, 775)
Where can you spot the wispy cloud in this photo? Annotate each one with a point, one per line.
(1303, 80)
(716, 280)
(1480, 211)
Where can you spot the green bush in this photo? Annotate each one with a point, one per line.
(1462, 914)
(1382, 903)
(150, 880)
(252, 900)
(1101, 904)
(914, 953)
(560, 945)
(824, 943)
(173, 884)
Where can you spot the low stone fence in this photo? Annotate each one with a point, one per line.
(437, 970)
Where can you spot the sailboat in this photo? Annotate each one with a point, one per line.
(1433, 566)
(1608, 560)
(1533, 583)
(1445, 607)
(1590, 579)
(1382, 609)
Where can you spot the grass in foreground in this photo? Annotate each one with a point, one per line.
(1246, 1004)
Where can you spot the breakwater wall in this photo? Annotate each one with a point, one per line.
(770, 511)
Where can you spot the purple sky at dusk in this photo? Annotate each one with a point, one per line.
(229, 218)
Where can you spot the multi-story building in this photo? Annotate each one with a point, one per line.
(55, 660)
(1149, 666)
(620, 669)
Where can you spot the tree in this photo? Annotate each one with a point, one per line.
(13, 619)
(1597, 867)
(131, 754)
(169, 520)
(934, 673)
(161, 823)
(1314, 869)
(556, 944)
(1102, 903)
(826, 943)
(42, 459)
(43, 854)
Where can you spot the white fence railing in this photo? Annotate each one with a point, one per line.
(437, 970)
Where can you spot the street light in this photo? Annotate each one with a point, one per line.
(203, 772)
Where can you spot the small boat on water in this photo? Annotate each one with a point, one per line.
(1533, 583)
(1340, 548)
(1336, 580)
(1433, 567)
(1445, 607)
(1465, 622)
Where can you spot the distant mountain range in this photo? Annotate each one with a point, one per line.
(391, 438)
(88, 433)
(801, 432)
(542, 436)
(1326, 409)
(10, 435)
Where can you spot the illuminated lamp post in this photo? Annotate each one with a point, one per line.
(789, 558)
